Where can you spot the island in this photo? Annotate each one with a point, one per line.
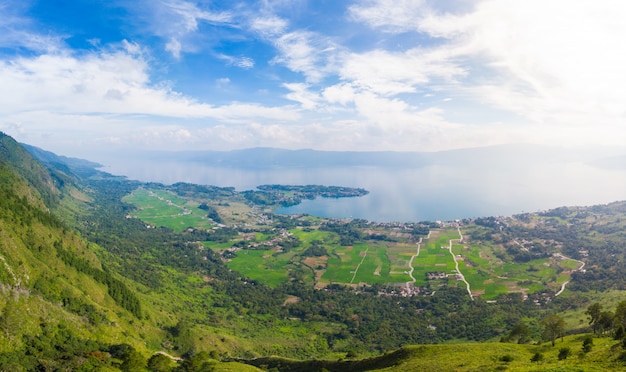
(289, 195)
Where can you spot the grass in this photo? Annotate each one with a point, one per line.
(166, 209)
(603, 356)
(261, 265)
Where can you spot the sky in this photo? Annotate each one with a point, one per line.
(84, 76)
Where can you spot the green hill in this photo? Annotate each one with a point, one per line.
(61, 307)
(605, 354)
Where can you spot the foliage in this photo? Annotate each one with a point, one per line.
(56, 347)
(159, 363)
(564, 352)
(587, 344)
(554, 326)
(117, 289)
(594, 312)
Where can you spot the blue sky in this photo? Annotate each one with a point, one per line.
(81, 76)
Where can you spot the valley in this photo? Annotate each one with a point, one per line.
(273, 249)
(100, 272)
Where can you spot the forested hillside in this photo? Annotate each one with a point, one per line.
(84, 286)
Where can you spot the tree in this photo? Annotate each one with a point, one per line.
(537, 357)
(605, 321)
(553, 326)
(159, 363)
(619, 319)
(519, 333)
(199, 362)
(594, 311)
(133, 361)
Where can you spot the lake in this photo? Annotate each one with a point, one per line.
(426, 193)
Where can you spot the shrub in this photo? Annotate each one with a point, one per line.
(587, 344)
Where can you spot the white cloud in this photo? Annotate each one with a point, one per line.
(245, 62)
(389, 15)
(222, 82)
(17, 31)
(188, 15)
(300, 93)
(389, 73)
(269, 26)
(178, 22)
(557, 63)
(174, 47)
(112, 83)
(303, 52)
(339, 93)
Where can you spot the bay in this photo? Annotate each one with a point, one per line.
(445, 191)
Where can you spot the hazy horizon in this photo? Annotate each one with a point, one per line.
(451, 185)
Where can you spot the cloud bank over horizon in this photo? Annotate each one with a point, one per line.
(408, 75)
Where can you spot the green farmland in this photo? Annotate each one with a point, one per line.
(318, 256)
(166, 209)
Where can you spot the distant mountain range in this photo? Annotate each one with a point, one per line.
(262, 158)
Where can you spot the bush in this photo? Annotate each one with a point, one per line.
(538, 357)
(506, 358)
(587, 344)
(564, 352)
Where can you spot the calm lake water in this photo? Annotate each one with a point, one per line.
(428, 193)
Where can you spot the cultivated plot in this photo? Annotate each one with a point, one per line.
(166, 209)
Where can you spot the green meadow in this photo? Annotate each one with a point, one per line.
(166, 209)
(261, 265)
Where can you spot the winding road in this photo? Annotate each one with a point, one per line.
(417, 253)
(582, 265)
(459, 273)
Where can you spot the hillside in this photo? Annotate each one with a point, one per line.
(603, 354)
(93, 279)
(61, 306)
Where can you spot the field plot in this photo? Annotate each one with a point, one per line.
(310, 235)
(489, 275)
(166, 209)
(434, 258)
(370, 263)
(262, 265)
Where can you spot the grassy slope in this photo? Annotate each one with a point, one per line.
(605, 355)
(35, 280)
